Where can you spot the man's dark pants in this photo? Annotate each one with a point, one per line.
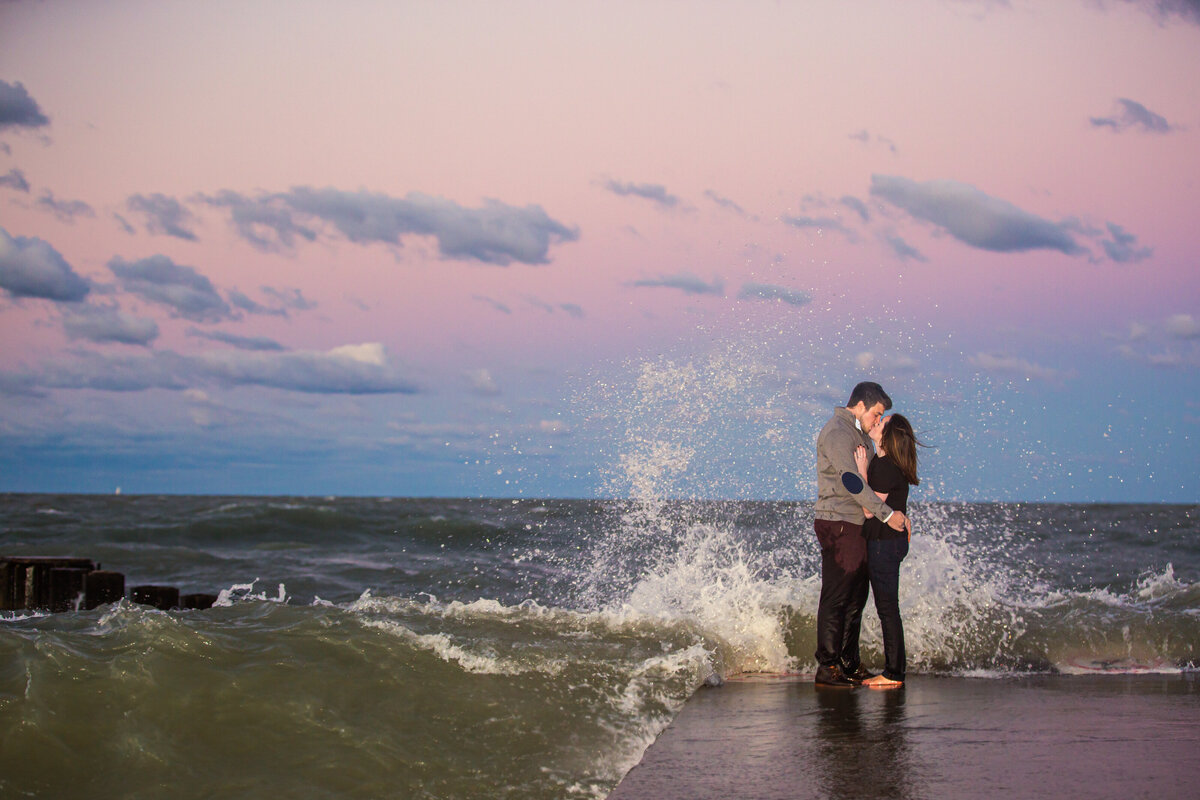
(844, 589)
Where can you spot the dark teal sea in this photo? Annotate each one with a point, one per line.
(401, 648)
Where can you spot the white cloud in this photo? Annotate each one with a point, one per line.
(1183, 326)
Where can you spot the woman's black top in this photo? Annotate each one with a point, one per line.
(884, 476)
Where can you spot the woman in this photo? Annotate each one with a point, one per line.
(889, 474)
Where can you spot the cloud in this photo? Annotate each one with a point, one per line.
(242, 302)
(482, 383)
(256, 343)
(351, 369)
(973, 217)
(124, 223)
(160, 280)
(725, 202)
(990, 362)
(65, 210)
(1183, 326)
(15, 180)
(288, 298)
(282, 301)
(685, 281)
(1187, 10)
(18, 109)
(865, 137)
(496, 304)
(857, 206)
(1131, 114)
(903, 250)
(821, 224)
(106, 323)
(650, 191)
(30, 267)
(572, 309)
(263, 222)
(894, 363)
(766, 291)
(495, 233)
(164, 215)
(1122, 247)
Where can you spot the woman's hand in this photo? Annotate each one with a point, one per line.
(861, 460)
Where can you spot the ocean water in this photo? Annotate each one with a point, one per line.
(422, 648)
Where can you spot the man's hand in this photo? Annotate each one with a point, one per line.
(899, 522)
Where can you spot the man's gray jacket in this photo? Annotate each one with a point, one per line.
(835, 455)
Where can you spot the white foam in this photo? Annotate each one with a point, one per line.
(242, 592)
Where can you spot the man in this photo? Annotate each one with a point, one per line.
(838, 524)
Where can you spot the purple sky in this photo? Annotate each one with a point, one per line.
(597, 248)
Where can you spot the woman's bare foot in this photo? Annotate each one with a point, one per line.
(880, 682)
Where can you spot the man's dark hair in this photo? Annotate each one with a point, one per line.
(869, 393)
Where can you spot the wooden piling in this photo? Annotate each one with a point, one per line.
(197, 601)
(102, 587)
(164, 598)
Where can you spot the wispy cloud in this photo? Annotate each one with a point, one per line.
(725, 202)
(163, 215)
(495, 304)
(482, 383)
(1183, 326)
(179, 287)
(255, 343)
(495, 233)
(18, 109)
(866, 137)
(767, 291)
(650, 191)
(902, 249)
(572, 309)
(65, 210)
(1132, 114)
(857, 206)
(15, 179)
(974, 218)
(30, 267)
(819, 224)
(1122, 246)
(684, 281)
(994, 362)
(281, 301)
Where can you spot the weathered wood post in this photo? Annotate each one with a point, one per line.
(164, 598)
(66, 588)
(197, 601)
(102, 587)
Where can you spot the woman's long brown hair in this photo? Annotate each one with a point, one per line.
(900, 443)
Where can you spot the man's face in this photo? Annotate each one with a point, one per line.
(870, 416)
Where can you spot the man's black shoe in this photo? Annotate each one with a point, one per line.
(859, 675)
(832, 676)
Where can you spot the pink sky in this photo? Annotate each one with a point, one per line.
(686, 145)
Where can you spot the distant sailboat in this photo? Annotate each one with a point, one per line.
(118, 491)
